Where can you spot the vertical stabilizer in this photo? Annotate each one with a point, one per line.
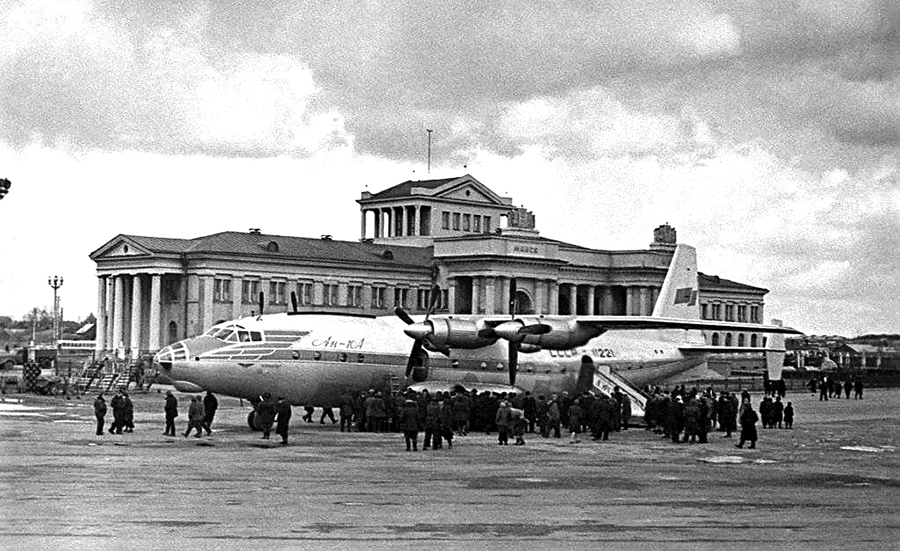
(678, 296)
(775, 353)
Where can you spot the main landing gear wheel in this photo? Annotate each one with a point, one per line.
(251, 420)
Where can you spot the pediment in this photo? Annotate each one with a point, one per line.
(469, 189)
(121, 247)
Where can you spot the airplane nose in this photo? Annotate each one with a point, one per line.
(171, 353)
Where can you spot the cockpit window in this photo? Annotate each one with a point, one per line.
(255, 336)
(234, 333)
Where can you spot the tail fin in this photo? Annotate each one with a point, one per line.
(678, 296)
(775, 353)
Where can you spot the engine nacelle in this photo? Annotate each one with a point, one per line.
(564, 334)
(458, 333)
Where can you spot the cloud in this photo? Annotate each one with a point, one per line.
(76, 77)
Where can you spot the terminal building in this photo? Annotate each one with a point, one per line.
(453, 234)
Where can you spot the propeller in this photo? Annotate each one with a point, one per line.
(418, 331)
(294, 301)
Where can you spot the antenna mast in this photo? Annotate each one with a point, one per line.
(429, 149)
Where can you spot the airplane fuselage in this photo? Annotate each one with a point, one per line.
(312, 359)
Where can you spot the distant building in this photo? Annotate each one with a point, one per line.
(453, 233)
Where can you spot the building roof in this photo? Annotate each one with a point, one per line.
(256, 244)
(405, 189)
(709, 282)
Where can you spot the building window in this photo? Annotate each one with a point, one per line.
(444, 303)
(487, 224)
(222, 290)
(276, 292)
(754, 314)
(729, 312)
(742, 313)
(171, 287)
(423, 299)
(753, 340)
(704, 311)
(400, 297)
(445, 220)
(378, 297)
(727, 339)
(330, 294)
(715, 339)
(476, 223)
(467, 222)
(456, 217)
(716, 311)
(305, 293)
(354, 296)
(249, 291)
(741, 338)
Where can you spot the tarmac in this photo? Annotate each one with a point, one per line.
(831, 482)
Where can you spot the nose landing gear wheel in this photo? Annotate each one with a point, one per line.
(251, 420)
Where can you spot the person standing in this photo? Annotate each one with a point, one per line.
(432, 424)
(127, 412)
(502, 422)
(748, 419)
(409, 424)
(265, 414)
(283, 413)
(210, 405)
(171, 411)
(857, 388)
(99, 412)
(118, 409)
(789, 416)
(196, 415)
(575, 418)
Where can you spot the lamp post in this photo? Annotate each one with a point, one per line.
(56, 283)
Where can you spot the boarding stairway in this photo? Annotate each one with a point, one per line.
(606, 381)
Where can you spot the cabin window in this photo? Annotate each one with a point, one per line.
(295, 354)
(342, 357)
(317, 355)
(360, 358)
(256, 336)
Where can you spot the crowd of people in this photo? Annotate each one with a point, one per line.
(830, 386)
(682, 415)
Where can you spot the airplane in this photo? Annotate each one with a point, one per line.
(312, 359)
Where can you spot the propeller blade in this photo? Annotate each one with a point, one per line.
(294, 301)
(513, 303)
(262, 303)
(513, 362)
(413, 357)
(400, 313)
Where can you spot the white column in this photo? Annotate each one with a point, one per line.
(540, 296)
(553, 296)
(101, 313)
(451, 295)
(573, 299)
(590, 300)
(136, 315)
(206, 310)
(237, 294)
(362, 224)
(629, 301)
(642, 301)
(476, 294)
(416, 219)
(489, 306)
(119, 308)
(654, 296)
(110, 312)
(155, 307)
(504, 295)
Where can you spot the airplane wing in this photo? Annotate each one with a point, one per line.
(609, 323)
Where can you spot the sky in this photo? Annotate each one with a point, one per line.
(767, 132)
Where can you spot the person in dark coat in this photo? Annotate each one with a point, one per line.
(676, 418)
(265, 414)
(432, 425)
(99, 412)
(118, 408)
(575, 418)
(409, 424)
(748, 419)
(857, 388)
(283, 414)
(171, 411)
(502, 422)
(529, 405)
(777, 412)
(210, 405)
(195, 417)
(446, 418)
(346, 411)
(789, 416)
(127, 413)
(626, 411)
